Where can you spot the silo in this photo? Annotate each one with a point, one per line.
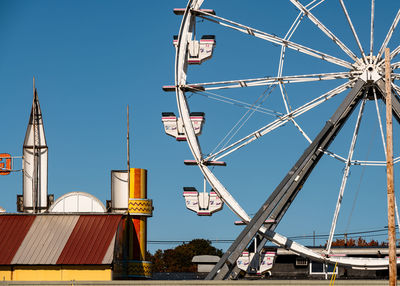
(119, 191)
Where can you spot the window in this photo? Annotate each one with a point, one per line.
(320, 268)
(300, 261)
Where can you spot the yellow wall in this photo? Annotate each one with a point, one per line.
(5, 273)
(55, 273)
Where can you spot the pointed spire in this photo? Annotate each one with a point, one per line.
(36, 114)
(35, 163)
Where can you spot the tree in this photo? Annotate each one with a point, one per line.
(180, 258)
(359, 242)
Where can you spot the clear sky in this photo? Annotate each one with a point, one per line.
(92, 58)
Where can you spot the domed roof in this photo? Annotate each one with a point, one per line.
(77, 202)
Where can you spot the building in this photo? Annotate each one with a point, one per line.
(57, 246)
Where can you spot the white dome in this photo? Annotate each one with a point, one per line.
(77, 202)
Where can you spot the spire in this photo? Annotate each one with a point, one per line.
(35, 120)
(35, 152)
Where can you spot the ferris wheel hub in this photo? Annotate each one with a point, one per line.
(370, 73)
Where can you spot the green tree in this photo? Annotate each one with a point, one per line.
(180, 258)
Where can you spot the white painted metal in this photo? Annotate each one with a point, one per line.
(35, 169)
(228, 100)
(366, 70)
(77, 202)
(345, 176)
(380, 123)
(353, 31)
(325, 30)
(388, 37)
(371, 41)
(273, 80)
(279, 122)
(119, 191)
(273, 39)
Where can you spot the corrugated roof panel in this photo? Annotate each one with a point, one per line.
(67, 224)
(108, 257)
(46, 239)
(90, 239)
(13, 229)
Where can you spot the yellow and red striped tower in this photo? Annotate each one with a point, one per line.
(131, 238)
(140, 208)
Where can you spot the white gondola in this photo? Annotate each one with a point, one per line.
(256, 265)
(204, 204)
(173, 125)
(199, 51)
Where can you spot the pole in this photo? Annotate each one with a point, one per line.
(389, 170)
(128, 150)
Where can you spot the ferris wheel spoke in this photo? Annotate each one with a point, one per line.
(396, 87)
(301, 131)
(388, 36)
(288, 36)
(353, 30)
(231, 101)
(395, 65)
(395, 52)
(324, 29)
(371, 40)
(278, 122)
(270, 81)
(345, 177)
(272, 38)
(379, 121)
(291, 31)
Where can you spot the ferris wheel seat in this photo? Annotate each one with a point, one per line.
(168, 88)
(173, 125)
(200, 51)
(206, 163)
(246, 262)
(204, 204)
(192, 88)
(181, 11)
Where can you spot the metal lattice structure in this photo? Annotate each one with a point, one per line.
(363, 81)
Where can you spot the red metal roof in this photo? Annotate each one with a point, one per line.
(13, 229)
(90, 239)
(29, 239)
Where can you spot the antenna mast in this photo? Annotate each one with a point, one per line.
(128, 150)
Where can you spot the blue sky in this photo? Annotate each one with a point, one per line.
(92, 58)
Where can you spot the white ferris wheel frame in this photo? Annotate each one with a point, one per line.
(356, 71)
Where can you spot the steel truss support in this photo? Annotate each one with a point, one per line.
(280, 200)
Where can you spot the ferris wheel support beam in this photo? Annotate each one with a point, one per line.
(281, 198)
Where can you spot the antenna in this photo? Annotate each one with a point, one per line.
(128, 151)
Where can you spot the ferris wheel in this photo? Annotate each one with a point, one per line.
(356, 79)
